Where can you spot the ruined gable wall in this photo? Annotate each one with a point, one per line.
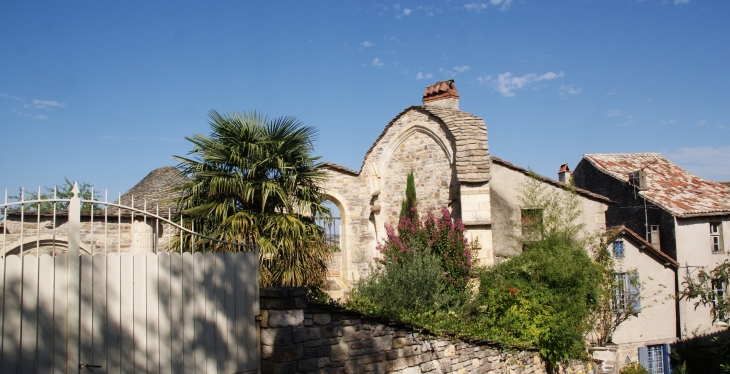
(419, 142)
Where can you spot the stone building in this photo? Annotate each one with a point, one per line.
(113, 230)
(447, 151)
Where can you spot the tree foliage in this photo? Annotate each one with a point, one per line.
(60, 191)
(409, 204)
(254, 179)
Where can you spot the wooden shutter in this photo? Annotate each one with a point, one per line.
(644, 357)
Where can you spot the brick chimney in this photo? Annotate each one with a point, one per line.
(442, 94)
(564, 173)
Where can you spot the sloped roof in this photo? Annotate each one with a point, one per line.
(615, 232)
(158, 187)
(333, 166)
(670, 187)
(579, 191)
(470, 134)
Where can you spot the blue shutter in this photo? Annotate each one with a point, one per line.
(644, 357)
(635, 291)
(666, 351)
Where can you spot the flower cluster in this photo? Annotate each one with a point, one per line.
(442, 237)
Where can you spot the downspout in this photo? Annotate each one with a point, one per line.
(676, 304)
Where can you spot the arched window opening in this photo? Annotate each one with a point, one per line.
(332, 227)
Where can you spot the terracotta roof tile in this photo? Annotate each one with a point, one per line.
(440, 90)
(668, 186)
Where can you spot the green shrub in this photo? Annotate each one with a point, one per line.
(542, 298)
(403, 289)
(633, 368)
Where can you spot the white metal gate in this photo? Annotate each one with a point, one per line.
(186, 311)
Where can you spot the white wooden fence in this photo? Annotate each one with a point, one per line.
(129, 313)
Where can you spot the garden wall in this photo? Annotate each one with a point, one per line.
(297, 337)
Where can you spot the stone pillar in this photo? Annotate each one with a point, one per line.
(476, 214)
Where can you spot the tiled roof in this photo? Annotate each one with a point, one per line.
(668, 186)
(579, 191)
(333, 166)
(470, 134)
(158, 187)
(614, 232)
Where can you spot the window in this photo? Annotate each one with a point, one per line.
(718, 301)
(654, 236)
(618, 248)
(626, 294)
(532, 224)
(716, 237)
(655, 358)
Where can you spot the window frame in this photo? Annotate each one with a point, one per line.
(719, 291)
(716, 239)
(627, 292)
(619, 250)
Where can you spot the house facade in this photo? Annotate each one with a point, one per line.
(684, 216)
(448, 152)
(645, 283)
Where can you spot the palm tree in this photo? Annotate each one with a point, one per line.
(254, 179)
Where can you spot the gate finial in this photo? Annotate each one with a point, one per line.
(75, 190)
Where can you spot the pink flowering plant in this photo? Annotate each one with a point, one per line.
(441, 237)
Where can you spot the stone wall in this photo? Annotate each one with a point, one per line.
(301, 338)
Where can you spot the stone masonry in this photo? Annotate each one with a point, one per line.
(300, 338)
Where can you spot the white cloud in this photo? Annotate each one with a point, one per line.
(376, 62)
(669, 122)
(614, 113)
(41, 104)
(676, 2)
(420, 76)
(506, 83)
(503, 4)
(566, 90)
(407, 11)
(708, 162)
(455, 71)
(476, 7)
(612, 92)
(484, 79)
(40, 116)
(462, 69)
(367, 43)
(702, 122)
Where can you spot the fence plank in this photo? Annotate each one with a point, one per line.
(230, 312)
(221, 324)
(99, 305)
(2, 287)
(113, 313)
(126, 302)
(188, 312)
(153, 339)
(60, 314)
(11, 314)
(241, 300)
(72, 334)
(86, 298)
(139, 313)
(199, 317)
(45, 313)
(252, 310)
(176, 313)
(29, 312)
(210, 312)
(165, 343)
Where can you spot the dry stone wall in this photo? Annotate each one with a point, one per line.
(300, 338)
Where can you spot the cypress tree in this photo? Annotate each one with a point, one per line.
(408, 206)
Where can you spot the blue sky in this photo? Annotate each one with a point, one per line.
(105, 92)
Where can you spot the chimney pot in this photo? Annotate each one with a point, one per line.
(442, 94)
(564, 173)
